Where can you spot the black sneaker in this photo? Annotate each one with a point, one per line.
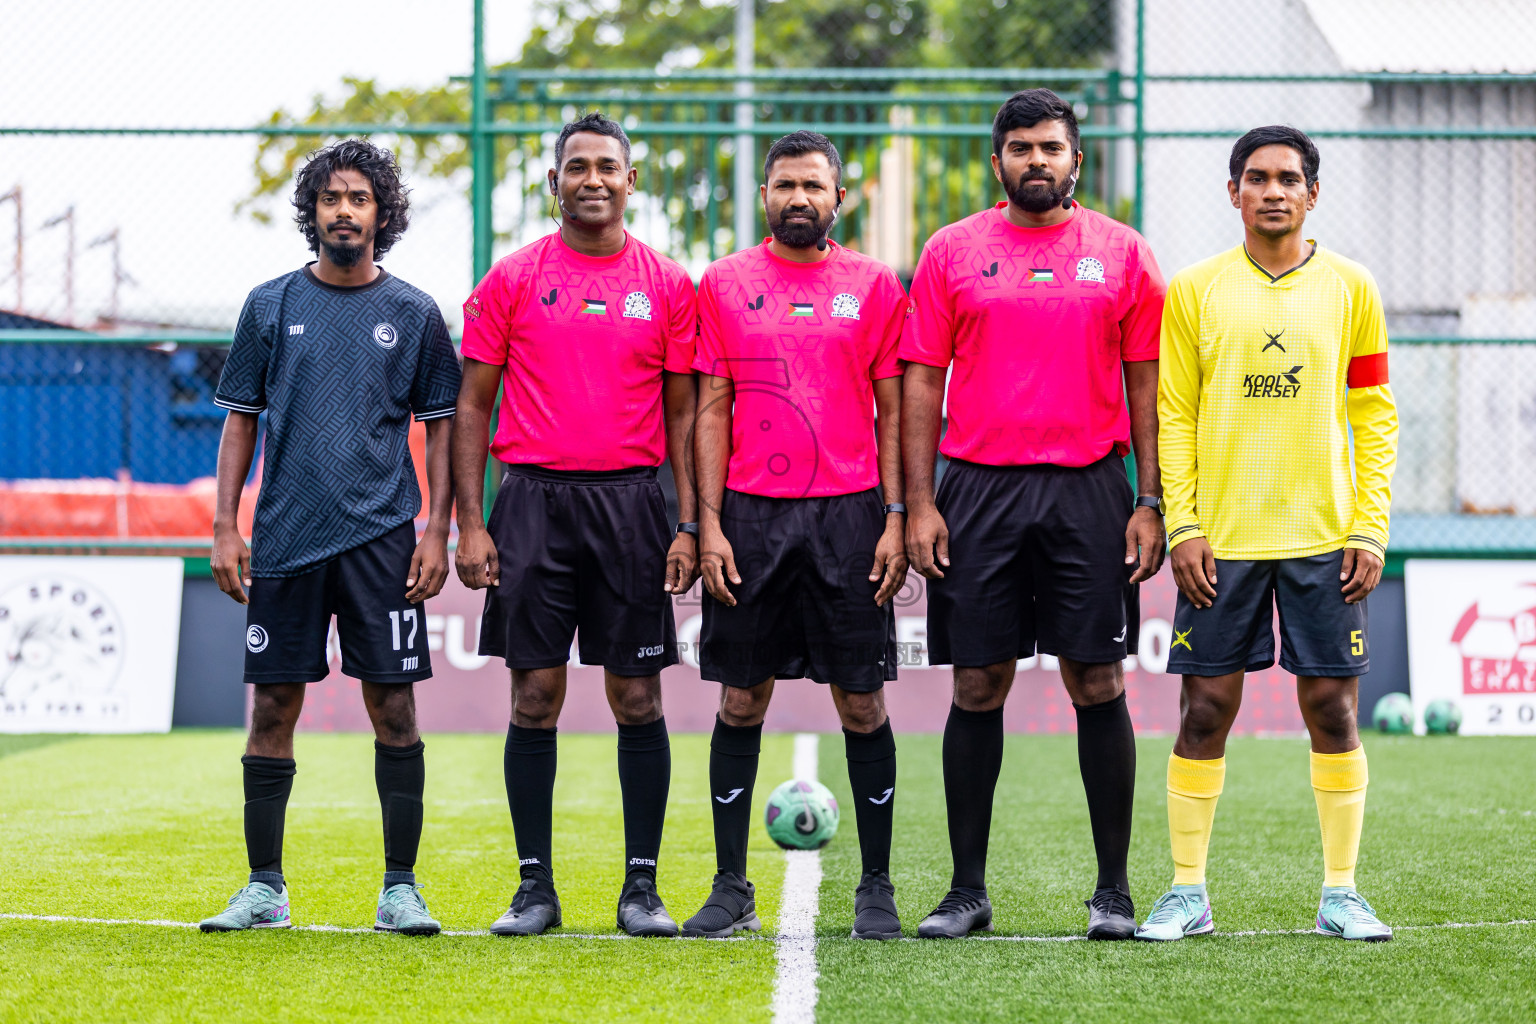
(535, 907)
(1111, 914)
(641, 911)
(961, 912)
(874, 908)
(731, 908)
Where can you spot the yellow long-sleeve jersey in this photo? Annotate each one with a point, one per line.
(1256, 380)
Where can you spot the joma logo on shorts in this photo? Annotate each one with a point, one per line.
(1272, 385)
(652, 652)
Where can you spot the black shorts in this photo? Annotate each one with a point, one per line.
(581, 553)
(1320, 635)
(805, 605)
(383, 636)
(1036, 558)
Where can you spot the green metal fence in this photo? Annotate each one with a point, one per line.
(1426, 180)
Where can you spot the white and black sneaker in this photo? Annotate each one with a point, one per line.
(731, 908)
(961, 912)
(641, 912)
(1111, 914)
(535, 908)
(874, 908)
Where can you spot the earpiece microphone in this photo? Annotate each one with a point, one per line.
(821, 243)
(1066, 204)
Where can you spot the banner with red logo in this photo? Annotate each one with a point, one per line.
(470, 693)
(1472, 641)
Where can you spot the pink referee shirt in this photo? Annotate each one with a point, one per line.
(584, 340)
(1036, 322)
(801, 342)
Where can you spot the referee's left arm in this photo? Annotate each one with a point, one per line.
(1146, 543)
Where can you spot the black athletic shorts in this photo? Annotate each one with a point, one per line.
(581, 553)
(1320, 635)
(805, 605)
(1036, 558)
(383, 636)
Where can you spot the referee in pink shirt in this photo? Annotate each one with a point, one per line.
(802, 543)
(1038, 309)
(590, 334)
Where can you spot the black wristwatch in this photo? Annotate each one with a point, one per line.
(894, 506)
(1147, 501)
(688, 528)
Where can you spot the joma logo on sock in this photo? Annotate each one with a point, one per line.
(528, 860)
(641, 862)
(727, 799)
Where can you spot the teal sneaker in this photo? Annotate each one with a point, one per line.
(401, 909)
(258, 905)
(1344, 913)
(1182, 910)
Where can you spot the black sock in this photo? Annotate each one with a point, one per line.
(400, 773)
(268, 781)
(530, 771)
(1106, 756)
(645, 775)
(872, 776)
(733, 751)
(973, 757)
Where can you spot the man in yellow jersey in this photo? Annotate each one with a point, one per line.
(1272, 354)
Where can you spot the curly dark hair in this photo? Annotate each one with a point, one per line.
(378, 166)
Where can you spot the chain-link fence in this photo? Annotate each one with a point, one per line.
(152, 236)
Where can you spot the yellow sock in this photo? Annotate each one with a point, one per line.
(1338, 782)
(1193, 787)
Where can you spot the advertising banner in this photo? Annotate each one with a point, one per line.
(88, 644)
(1472, 641)
(469, 692)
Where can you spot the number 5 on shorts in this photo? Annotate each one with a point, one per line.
(410, 641)
(1356, 642)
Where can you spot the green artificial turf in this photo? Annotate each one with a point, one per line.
(1450, 835)
(149, 828)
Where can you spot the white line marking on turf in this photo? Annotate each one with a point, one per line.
(794, 981)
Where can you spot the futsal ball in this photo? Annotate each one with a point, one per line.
(1442, 716)
(801, 815)
(1394, 713)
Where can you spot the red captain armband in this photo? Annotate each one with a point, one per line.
(1368, 371)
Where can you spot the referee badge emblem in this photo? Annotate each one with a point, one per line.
(255, 639)
(637, 306)
(385, 335)
(845, 306)
(1090, 269)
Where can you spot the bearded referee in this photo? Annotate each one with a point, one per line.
(339, 355)
(590, 334)
(801, 516)
(1279, 436)
(1035, 538)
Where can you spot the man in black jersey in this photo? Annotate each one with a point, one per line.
(339, 355)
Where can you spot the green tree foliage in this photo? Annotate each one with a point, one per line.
(673, 34)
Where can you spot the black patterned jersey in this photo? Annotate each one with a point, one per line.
(339, 372)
